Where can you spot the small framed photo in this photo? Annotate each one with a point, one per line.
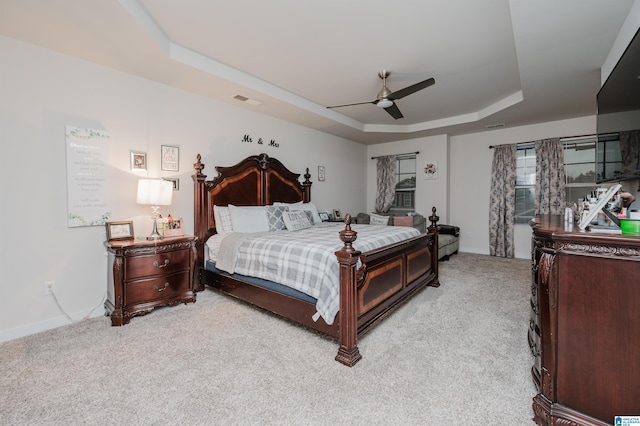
(324, 216)
(175, 182)
(320, 173)
(170, 156)
(337, 214)
(171, 226)
(138, 161)
(119, 230)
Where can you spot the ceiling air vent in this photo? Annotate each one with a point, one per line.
(250, 101)
(495, 126)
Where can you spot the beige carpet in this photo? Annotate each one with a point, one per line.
(454, 355)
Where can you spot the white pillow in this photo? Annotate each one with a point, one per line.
(248, 218)
(303, 206)
(378, 219)
(295, 221)
(223, 220)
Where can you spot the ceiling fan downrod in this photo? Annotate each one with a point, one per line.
(383, 94)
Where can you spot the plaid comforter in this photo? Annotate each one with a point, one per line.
(304, 259)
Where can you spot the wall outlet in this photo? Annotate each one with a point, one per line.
(49, 287)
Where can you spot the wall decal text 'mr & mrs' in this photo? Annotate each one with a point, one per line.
(272, 142)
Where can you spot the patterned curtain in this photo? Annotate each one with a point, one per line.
(630, 151)
(502, 203)
(549, 197)
(386, 183)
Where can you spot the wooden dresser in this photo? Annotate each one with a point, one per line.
(585, 324)
(146, 274)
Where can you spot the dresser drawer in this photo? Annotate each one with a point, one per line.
(161, 287)
(155, 264)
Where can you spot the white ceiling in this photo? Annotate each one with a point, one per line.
(514, 62)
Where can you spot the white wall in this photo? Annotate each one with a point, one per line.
(41, 92)
(471, 160)
(429, 193)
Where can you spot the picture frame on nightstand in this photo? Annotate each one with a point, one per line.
(171, 227)
(122, 230)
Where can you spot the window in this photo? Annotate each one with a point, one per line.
(525, 183)
(609, 157)
(405, 199)
(579, 169)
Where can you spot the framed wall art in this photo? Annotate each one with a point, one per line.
(138, 161)
(431, 170)
(88, 201)
(320, 173)
(170, 156)
(175, 182)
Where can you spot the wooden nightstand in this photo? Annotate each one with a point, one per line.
(146, 274)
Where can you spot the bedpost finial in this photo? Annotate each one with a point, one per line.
(198, 165)
(348, 236)
(434, 218)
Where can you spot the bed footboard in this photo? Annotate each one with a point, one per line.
(385, 279)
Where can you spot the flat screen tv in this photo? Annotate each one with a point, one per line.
(618, 119)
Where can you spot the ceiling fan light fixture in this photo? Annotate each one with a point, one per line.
(384, 103)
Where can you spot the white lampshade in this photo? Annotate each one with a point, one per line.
(155, 192)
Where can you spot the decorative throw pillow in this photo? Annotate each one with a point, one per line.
(248, 218)
(296, 220)
(403, 221)
(274, 217)
(309, 214)
(378, 219)
(449, 229)
(303, 206)
(223, 220)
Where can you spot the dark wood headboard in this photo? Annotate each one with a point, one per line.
(258, 180)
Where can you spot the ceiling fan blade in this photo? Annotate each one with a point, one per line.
(399, 94)
(394, 111)
(357, 103)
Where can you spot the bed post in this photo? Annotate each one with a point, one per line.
(306, 188)
(433, 228)
(200, 224)
(348, 353)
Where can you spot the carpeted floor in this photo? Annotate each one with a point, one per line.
(454, 355)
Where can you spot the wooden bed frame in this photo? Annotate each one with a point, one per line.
(386, 278)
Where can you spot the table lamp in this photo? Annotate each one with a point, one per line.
(155, 192)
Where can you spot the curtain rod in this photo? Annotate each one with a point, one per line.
(398, 155)
(564, 138)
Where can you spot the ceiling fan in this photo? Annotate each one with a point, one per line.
(386, 97)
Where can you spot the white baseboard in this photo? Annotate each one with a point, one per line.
(38, 327)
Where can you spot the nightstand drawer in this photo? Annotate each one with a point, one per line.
(157, 288)
(155, 264)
